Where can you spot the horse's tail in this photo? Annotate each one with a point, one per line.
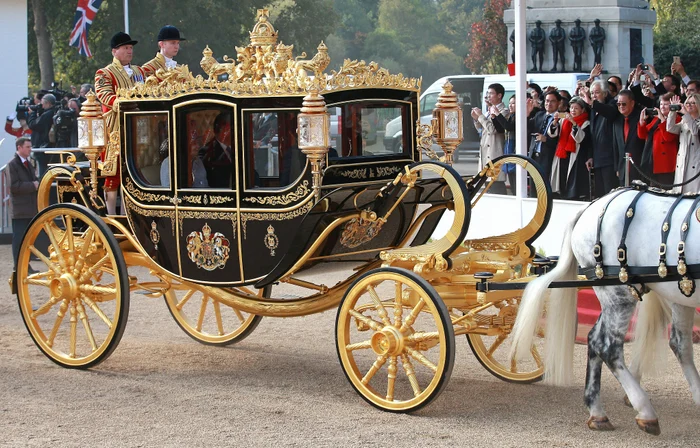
(561, 314)
(648, 354)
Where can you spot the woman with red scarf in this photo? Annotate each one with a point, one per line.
(569, 172)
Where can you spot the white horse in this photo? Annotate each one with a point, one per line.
(606, 338)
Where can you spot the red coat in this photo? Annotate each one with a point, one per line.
(665, 145)
(17, 132)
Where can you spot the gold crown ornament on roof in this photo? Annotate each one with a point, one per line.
(263, 32)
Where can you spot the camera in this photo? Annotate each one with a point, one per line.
(650, 111)
(645, 67)
(65, 123)
(23, 108)
(675, 107)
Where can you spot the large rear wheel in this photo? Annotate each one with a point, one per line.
(395, 339)
(75, 299)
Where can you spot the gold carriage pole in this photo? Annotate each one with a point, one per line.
(314, 134)
(447, 122)
(91, 140)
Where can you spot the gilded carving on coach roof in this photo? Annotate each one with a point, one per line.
(265, 67)
(300, 193)
(207, 251)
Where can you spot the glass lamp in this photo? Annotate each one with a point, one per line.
(447, 122)
(313, 130)
(91, 137)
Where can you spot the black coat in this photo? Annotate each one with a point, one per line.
(634, 145)
(602, 115)
(40, 126)
(549, 146)
(22, 189)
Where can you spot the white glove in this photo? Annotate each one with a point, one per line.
(12, 117)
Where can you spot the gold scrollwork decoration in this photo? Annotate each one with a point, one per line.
(357, 173)
(207, 251)
(387, 170)
(301, 211)
(154, 234)
(301, 192)
(142, 196)
(424, 139)
(150, 213)
(190, 214)
(193, 199)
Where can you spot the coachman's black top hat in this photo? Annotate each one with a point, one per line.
(121, 38)
(169, 32)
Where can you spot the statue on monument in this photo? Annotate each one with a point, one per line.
(597, 37)
(577, 36)
(558, 38)
(512, 41)
(537, 38)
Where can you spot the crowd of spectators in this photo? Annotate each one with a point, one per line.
(583, 142)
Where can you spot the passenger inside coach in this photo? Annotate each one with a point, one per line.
(217, 155)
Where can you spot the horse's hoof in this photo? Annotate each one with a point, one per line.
(627, 402)
(600, 424)
(649, 426)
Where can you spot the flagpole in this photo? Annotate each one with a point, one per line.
(126, 16)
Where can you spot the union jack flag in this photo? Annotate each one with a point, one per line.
(84, 15)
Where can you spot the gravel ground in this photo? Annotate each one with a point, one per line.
(283, 386)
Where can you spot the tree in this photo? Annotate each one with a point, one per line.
(676, 34)
(43, 43)
(489, 40)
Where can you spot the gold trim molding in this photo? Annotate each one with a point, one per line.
(300, 193)
(141, 196)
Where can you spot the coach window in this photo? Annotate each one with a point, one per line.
(205, 149)
(148, 146)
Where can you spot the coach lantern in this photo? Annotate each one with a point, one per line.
(313, 130)
(447, 122)
(91, 136)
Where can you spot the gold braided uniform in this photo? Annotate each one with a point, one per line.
(107, 81)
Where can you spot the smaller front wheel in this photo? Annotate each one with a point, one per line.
(395, 340)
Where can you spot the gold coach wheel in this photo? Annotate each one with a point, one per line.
(491, 346)
(395, 339)
(208, 320)
(75, 299)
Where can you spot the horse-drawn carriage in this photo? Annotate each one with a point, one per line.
(230, 188)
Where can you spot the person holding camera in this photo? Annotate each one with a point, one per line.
(661, 146)
(688, 158)
(41, 120)
(66, 124)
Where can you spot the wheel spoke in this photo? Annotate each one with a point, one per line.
(398, 305)
(57, 323)
(371, 323)
(359, 345)
(93, 306)
(87, 242)
(86, 324)
(36, 281)
(43, 309)
(68, 220)
(391, 379)
(413, 315)
(51, 265)
(497, 343)
(56, 247)
(381, 311)
(418, 356)
(202, 312)
(217, 314)
(378, 363)
(423, 336)
(184, 300)
(101, 290)
(239, 315)
(411, 373)
(73, 330)
(93, 269)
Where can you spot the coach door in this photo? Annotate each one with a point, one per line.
(206, 192)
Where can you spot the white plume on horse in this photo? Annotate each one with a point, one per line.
(606, 339)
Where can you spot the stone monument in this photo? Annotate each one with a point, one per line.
(627, 25)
